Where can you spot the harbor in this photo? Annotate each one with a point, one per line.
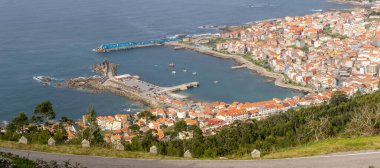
(62, 48)
(127, 85)
(279, 78)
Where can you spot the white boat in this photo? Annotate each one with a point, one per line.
(174, 72)
(216, 82)
(194, 73)
(129, 110)
(184, 70)
(317, 10)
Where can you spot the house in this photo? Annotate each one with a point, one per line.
(191, 122)
(115, 138)
(181, 114)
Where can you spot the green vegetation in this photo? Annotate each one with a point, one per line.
(213, 42)
(92, 132)
(78, 150)
(328, 31)
(342, 125)
(43, 113)
(35, 134)
(373, 13)
(305, 49)
(16, 161)
(328, 146)
(343, 118)
(287, 80)
(147, 115)
(262, 63)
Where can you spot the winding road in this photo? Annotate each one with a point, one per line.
(359, 159)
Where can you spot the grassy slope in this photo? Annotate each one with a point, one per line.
(328, 146)
(318, 148)
(78, 150)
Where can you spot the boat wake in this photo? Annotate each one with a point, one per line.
(263, 6)
(132, 110)
(212, 27)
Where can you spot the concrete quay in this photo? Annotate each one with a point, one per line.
(179, 87)
(130, 87)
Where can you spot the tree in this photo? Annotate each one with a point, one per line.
(196, 144)
(43, 112)
(147, 140)
(20, 121)
(364, 122)
(134, 127)
(39, 137)
(180, 126)
(60, 134)
(66, 120)
(135, 144)
(358, 93)
(337, 98)
(318, 128)
(92, 132)
(147, 115)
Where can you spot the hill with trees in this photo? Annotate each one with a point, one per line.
(342, 117)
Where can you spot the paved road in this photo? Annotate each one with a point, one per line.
(361, 159)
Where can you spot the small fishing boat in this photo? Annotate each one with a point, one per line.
(194, 73)
(185, 70)
(171, 65)
(215, 82)
(317, 10)
(174, 72)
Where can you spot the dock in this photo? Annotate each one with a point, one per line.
(129, 45)
(181, 87)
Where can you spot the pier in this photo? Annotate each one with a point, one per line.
(181, 87)
(130, 45)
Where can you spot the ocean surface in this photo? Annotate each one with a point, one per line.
(56, 37)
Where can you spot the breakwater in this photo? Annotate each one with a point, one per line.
(126, 86)
(129, 45)
(99, 84)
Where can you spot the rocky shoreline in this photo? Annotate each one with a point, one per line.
(279, 78)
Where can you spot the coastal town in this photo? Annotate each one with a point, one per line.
(327, 52)
(269, 84)
(320, 53)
